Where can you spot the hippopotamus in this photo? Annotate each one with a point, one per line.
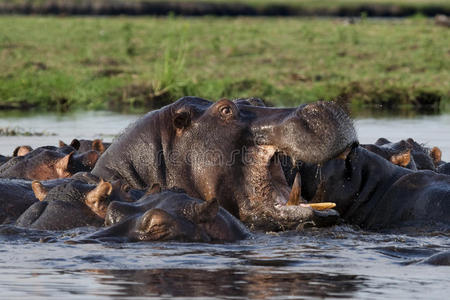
(19, 151)
(406, 153)
(226, 150)
(375, 194)
(444, 168)
(87, 145)
(17, 195)
(170, 215)
(74, 203)
(48, 162)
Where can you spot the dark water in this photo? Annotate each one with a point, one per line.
(338, 262)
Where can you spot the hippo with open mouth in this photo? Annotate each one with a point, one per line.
(228, 151)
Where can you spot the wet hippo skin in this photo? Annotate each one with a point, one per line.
(170, 215)
(371, 192)
(70, 205)
(225, 150)
(48, 162)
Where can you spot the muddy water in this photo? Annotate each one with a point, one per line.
(340, 262)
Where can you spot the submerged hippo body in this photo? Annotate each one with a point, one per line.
(375, 194)
(444, 168)
(225, 150)
(69, 205)
(171, 215)
(16, 196)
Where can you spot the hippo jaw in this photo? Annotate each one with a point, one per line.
(313, 133)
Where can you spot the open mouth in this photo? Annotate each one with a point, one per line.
(267, 176)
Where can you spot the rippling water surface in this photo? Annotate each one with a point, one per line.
(338, 262)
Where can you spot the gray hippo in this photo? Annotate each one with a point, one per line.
(170, 215)
(227, 151)
(74, 203)
(375, 194)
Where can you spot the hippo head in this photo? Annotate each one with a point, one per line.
(48, 162)
(94, 196)
(227, 150)
(171, 215)
(352, 181)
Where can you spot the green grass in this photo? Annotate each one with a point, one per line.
(64, 63)
(295, 3)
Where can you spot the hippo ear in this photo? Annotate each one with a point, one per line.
(182, 120)
(382, 141)
(97, 145)
(154, 189)
(97, 199)
(75, 144)
(401, 159)
(62, 165)
(62, 144)
(40, 191)
(22, 150)
(206, 211)
(436, 155)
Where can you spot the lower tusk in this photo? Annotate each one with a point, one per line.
(320, 206)
(295, 197)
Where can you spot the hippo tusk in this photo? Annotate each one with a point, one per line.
(295, 196)
(320, 206)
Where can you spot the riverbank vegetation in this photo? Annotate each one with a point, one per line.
(379, 8)
(60, 63)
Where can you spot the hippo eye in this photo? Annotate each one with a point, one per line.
(126, 188)
(226, 111)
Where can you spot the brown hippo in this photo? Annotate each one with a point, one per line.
(72, 204)
(88, 145)
(407, 153)
(48, 162)
(397, 153)
(170, 215)
(19, 151)
(226, 150)
(375, 194)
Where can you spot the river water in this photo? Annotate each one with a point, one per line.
(337, 262)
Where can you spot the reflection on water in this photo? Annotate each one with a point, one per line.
(338, 262)
(258, 284)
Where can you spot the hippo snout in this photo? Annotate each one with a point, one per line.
(317, 132)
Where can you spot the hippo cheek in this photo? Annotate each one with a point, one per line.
(217, 230)
(338, 180)
(118, 211)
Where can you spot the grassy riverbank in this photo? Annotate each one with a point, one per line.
(63, 63)
(380, 8)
